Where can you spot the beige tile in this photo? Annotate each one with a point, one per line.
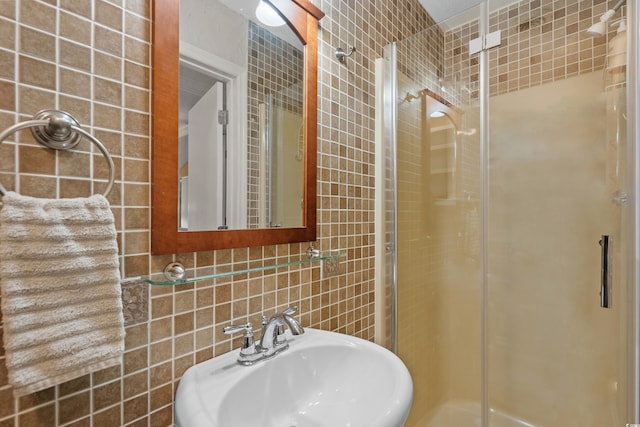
(74, 407)
(137, 147)
(135, 384)
(136, 75)
(38, 416)
(38, 15)
(34, 399)
(70, 188)
(108, 15)
(138, 27)
(8, 100)
(8, 9)
(161, 417)
(139, 7)
(135, 408)
(80, 109)
(75, 55)
(135, 360)
(74, 28)
(36, 160)
(107, 40)
(108, 418)
(161, 329)
(107, 91)
(8, 59)
(137, 50)
(37, 73)
(136, 99)
(108, 117)
(161, 375)
(107, 65)
(136, 265)
(75, 83)
(37, 43)
(161, 352)
(137, 336)
(161, 397)
(77, 7)
(105, 375)
(136, 218)
(137, 123)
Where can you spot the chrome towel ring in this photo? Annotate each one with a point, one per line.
(59, 130)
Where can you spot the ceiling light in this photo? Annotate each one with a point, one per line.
(268, 15)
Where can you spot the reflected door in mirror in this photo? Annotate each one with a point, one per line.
(241, 148)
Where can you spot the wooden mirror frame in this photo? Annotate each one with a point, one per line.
(302, 17)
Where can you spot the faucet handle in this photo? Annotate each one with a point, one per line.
(234, 329)
(248, 344)
(291, 310)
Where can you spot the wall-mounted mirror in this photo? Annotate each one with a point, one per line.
(234, 124)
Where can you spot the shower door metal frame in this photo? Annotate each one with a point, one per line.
(484, 216)
(390, 136)
(633, 245)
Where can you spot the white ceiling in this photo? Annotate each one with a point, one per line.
(443, 10)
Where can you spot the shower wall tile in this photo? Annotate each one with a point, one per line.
(542, 41)
(104, 80)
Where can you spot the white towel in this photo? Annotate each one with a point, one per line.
(60, 287)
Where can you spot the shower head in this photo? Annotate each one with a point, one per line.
(599, 28)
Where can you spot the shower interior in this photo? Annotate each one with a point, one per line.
(495, 304)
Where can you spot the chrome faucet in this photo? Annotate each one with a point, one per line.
(273, 339)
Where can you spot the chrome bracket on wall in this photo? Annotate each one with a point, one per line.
(485, 42)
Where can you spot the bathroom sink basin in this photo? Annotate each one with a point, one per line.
(324, 379)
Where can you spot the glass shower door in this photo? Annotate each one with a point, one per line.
(501, 207)
(437, 241)
(555, 356)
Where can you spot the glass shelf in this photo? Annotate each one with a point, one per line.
(215, 272)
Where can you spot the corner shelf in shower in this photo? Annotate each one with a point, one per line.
(207, 273)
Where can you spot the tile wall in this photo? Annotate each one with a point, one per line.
(542, 41)
(91, 58)
(276, 68)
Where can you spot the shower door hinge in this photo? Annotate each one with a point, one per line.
(223, 117)
(485, 42)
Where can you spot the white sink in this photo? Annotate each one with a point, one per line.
(324, 379)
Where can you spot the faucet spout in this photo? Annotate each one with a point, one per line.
(269, 338)
(294, 326)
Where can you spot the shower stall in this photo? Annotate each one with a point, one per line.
(507, 211)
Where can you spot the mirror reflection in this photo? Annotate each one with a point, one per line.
(241, 134)
(443, 155)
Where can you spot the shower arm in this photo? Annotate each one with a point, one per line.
(618, 5)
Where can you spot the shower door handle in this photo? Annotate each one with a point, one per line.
(605, 273)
